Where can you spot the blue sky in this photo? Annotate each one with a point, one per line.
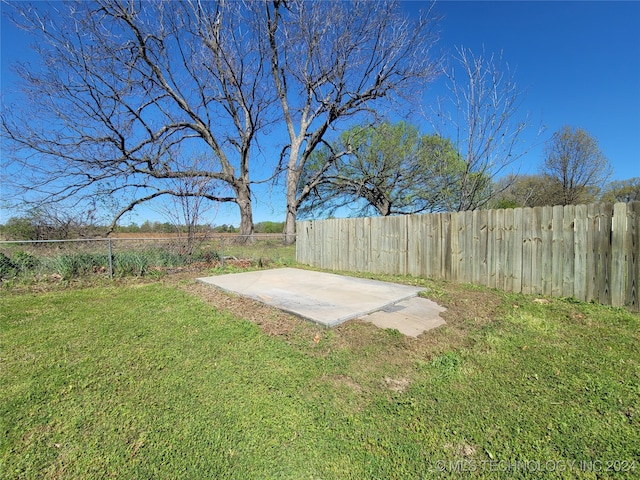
(578, 61)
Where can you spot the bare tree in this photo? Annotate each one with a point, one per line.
(189, 206)
(331, 61)
(46, 223)
(481, 116)
(524, 191)
(123, 87)
(576, 163)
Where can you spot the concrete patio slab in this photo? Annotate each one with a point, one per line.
(323, 298)
(410, 317)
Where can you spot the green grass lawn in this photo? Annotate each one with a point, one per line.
(153, 381)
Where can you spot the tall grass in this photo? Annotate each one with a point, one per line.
(132, 258)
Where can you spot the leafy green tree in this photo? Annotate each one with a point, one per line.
(622, 191)
(388, 169)
(146, 227)
(20, 228)
(268, 227)
(576, 164)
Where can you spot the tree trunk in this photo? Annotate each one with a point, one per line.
(243, 194)
(384, 207)
(289, 234)
(293, 177)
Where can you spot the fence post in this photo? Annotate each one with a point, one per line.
(110, 259)
(222, 252)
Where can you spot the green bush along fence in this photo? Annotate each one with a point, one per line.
(588, 252)
(66, 259)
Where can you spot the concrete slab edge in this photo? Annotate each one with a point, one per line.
(257, 299)
(312, 320)
(369, 312)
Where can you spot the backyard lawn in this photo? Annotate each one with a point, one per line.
(172, 379)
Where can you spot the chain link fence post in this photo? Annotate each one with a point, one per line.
(110, 260)
(222, 251)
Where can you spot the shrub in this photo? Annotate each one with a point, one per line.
(8, 269)
(131, 263)
(25, 261)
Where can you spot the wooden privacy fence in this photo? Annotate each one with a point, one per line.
(589, 252)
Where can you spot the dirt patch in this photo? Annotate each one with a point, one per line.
(370, 352)
(463, 450)
(396, 385)
(468, 305)
(469, 308)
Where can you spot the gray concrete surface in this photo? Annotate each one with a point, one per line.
(410, 317)
(330, 299)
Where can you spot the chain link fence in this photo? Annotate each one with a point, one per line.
(120, 257)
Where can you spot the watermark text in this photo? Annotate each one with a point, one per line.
(515, 466)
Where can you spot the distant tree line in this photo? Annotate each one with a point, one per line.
(167, 227)
(574, 171)
(539, 190)
(42, 225)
